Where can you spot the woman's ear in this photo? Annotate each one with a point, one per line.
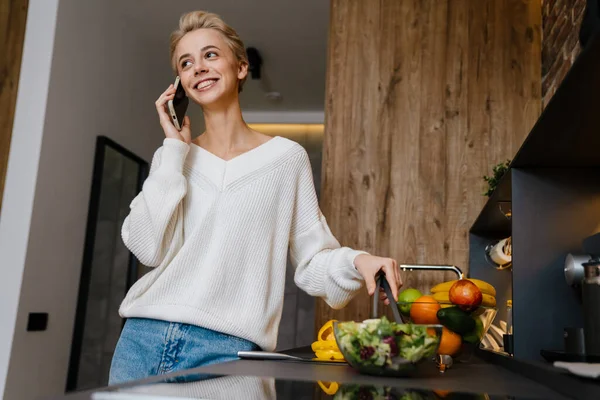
(242, 70)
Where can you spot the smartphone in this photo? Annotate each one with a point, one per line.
(178, 105)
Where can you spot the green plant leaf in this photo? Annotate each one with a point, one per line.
(498, 172)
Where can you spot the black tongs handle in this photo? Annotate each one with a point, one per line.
(382, 281)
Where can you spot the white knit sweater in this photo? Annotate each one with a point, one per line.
(218, 233)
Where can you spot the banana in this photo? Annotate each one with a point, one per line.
(444, 297)
(485, 287)
(487, 300)
(442, 287)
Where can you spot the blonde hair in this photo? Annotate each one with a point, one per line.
(204, 20)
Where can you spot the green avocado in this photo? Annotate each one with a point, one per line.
(474, 336)
(456, 320)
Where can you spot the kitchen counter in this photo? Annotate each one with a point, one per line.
(263, 379)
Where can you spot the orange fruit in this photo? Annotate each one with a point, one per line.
(424, 310)
(450, 343)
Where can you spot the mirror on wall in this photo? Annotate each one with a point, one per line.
(108, 268)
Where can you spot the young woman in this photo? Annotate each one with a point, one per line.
(216, 218)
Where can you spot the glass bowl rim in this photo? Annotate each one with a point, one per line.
(444, 303)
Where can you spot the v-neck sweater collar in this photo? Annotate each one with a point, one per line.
(224, 172)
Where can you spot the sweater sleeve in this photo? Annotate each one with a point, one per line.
(323, 268)
(149, 228)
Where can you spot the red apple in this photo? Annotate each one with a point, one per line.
(465, 294)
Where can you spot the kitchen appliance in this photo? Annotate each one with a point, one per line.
(574, 340)
(590, 293)
(582, 272)
(574, 269)
(499, 254)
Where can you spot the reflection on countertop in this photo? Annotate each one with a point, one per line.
(258, 388)
(224, 387)
(206, 386)
(269, 379)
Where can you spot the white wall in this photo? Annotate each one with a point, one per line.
(101, 82)
(15, 215)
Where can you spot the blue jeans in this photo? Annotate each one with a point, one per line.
(149, 347)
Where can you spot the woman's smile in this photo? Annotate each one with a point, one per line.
(205, 84)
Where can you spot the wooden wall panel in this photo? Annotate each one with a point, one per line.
(423, 97)
(13, 15)
(561, 22)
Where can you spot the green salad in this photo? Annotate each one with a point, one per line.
(368, 392)
(382, 343)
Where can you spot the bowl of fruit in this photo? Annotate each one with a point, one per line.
(386, 348)
(465, 308)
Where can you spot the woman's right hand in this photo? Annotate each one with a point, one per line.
(185, 135)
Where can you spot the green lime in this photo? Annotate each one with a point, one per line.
(406, 298)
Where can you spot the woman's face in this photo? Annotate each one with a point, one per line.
(208, 68)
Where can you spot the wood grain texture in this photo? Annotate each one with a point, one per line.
(561, 21)
(423, 97)
(13, 15)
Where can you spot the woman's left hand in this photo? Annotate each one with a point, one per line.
(368, 266)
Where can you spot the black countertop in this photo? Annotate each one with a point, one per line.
(254, 379)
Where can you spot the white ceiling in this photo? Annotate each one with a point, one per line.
(291, 36)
